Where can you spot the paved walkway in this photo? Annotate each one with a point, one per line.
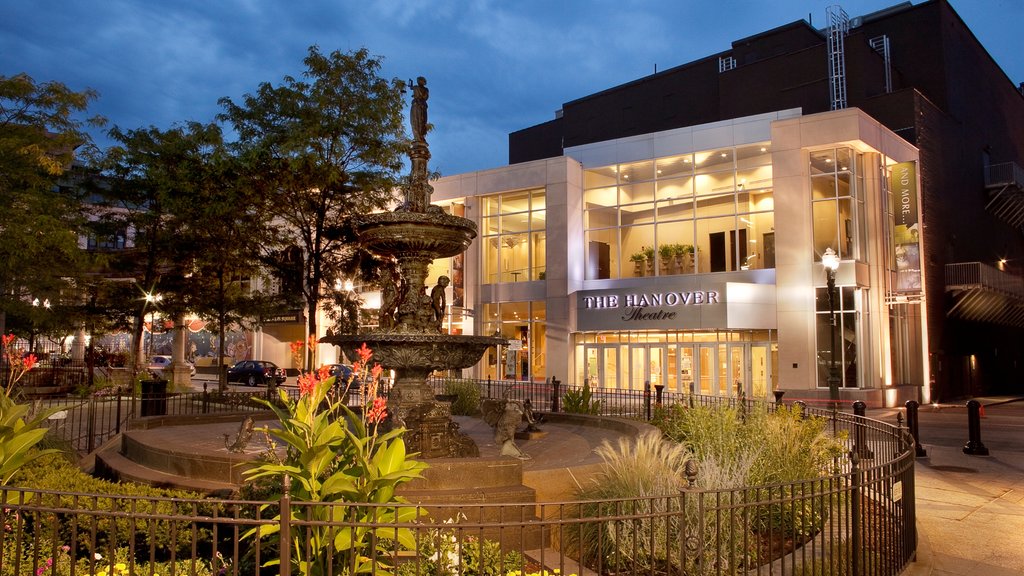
(970, 509)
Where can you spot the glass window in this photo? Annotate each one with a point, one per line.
(838, 202)
(668, 216)
(837, 341)
(522, 321)
(513, 246)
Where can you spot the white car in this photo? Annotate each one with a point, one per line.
(161, 363)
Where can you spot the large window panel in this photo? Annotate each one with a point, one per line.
(602, 254)
(636, 172)
(675, 166)
(680, 188)
(634, 193)
(513, 247)
(687, 204)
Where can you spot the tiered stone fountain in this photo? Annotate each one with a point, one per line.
(409, 338)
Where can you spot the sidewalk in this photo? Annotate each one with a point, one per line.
(970, 510)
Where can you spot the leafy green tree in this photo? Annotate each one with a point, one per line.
(327, 147)
(40, 135)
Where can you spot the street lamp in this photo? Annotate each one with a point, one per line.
(830, 260)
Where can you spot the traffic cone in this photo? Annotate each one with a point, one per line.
(981, 411)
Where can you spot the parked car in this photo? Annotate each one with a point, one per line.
(157, 364)
(256, 372)
(342, 373)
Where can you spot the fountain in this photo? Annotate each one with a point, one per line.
(409, 337)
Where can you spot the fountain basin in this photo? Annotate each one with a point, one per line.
(428, 234)
(419, 352)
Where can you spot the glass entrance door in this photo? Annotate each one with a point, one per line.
(647, 366)
(602, 366)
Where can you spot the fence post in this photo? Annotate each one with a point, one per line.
(912, 407)
(286, 528)
(802, 406)
(855, 519)
(974, 446)
(206, 398)
(647, 398)
(117, 423)
(555, 396)
(860, 409)
(91, 426)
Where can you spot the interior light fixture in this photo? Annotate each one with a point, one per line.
(763, 149)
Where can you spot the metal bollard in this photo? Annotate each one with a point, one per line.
(859, 444)
(974, 446)
(658, 389)
(555, 384)
(912, 407)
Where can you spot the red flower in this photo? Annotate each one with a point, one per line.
(378, 412)
(10, 338)
(323, 373)
(376, 371)
(307, 384)
(364, 353)
(356, 367)
(29, 361)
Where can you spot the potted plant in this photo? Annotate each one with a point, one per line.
(638, 260)
(667, 253)
(649, 256)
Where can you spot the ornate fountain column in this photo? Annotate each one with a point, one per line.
(408, 339)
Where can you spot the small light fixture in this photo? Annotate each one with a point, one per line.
(830, 260)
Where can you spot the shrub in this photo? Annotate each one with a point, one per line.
(581, 401)
(641, 478)
(467, 402)
(442, 552)
(63, 481)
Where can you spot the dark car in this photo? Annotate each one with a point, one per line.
(342, 374)
(254, 372)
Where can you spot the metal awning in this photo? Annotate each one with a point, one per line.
(983, 293)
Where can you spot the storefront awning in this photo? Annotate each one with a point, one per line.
(983, 293)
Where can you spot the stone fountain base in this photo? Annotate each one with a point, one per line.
(411, 402)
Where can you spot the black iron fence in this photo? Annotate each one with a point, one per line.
(859, 520)
(84, 424)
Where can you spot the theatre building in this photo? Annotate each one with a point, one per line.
(674, 231)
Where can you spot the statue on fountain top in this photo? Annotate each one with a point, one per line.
(418, 115)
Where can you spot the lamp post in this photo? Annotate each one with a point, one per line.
(830, 260)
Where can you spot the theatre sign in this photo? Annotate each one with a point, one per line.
(635, 309)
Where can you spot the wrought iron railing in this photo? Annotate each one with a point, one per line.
(858, 520)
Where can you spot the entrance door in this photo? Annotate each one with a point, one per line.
(738, 382)
(602, 363)
(706, 381)
(647, 366)
(759, 375)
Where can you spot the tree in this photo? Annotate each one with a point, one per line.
(39, 232)
(329, 148)
(214, 216)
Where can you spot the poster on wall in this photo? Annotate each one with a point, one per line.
(906, 232)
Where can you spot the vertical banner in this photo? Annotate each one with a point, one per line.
(907, 229)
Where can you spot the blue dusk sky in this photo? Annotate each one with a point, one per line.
(492, 66)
